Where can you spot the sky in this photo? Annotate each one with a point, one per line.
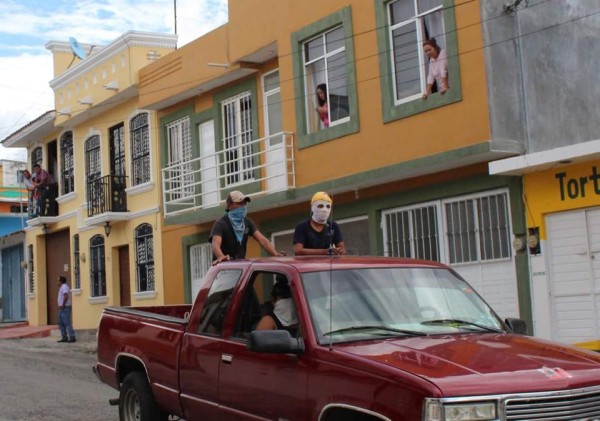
(26, 26)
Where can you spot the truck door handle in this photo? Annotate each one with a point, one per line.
(226, 358)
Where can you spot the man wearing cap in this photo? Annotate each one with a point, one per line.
(317, 234)
(229, 235)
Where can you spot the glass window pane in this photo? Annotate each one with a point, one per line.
(217, 301)
(337, 87)
(335, 39)
(314, 49)
(401, 11)
(433, 27)
(425, 5)
(406, 60)
(275, 117)
(271, 81)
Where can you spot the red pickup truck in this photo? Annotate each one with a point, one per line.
(372, 339)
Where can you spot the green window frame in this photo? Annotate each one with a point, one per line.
(393, 108)
(304, 99)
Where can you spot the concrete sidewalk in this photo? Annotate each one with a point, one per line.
(21, 330)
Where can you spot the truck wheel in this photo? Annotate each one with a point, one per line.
(136, 402)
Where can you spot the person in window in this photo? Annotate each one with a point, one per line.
(322, 107)
(229, 235)
(282, 314)
(317, 234)
(438, 68)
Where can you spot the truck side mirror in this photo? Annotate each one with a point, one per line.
(516, 326)
(274, 342)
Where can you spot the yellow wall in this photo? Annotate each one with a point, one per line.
(447, 128)
(564, 187)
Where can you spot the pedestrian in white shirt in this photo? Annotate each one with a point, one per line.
(64, 311)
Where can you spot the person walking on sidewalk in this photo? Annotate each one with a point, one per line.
(64, 311)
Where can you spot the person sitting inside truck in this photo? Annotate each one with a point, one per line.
(283, 314)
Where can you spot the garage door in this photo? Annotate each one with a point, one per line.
(574, 274)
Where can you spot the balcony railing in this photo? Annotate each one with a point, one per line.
(42, 201)
(106, 194)
(266, 164)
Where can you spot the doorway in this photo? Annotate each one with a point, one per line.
(13, 285)
(124, 285)
(58, 251)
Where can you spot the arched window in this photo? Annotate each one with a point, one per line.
(67, 176)
(93, 168)
(36, 157)
(144, 258)
(139, 132)
(97, 267)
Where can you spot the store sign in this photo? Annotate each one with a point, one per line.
(578, 187)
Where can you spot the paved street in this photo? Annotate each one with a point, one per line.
(43, 380)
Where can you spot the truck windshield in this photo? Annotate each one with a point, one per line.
(375, 303)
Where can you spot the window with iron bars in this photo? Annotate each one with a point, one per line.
(93, 168)
(459, 230)
(139, 133)
(37, 157)
(76, 267)
(97, 267)
(67, 175)
(144, 252)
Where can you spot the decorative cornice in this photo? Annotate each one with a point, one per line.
(125, 41)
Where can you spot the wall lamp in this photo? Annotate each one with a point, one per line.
(107, 228)
(44, 229)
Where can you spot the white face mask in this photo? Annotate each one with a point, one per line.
(320, 211)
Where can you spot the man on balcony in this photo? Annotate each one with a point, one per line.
(42, 180)
(229, 235)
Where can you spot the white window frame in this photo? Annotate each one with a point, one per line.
(311, 99)
(418, 19)
(236, 136)
(179, 152)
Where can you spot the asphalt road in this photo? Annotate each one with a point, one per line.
(44, 380)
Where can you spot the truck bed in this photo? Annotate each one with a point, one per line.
(149, 335)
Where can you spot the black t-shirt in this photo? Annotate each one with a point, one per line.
(229, 243)
(311, 239)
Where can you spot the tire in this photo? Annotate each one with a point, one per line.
(136, 402)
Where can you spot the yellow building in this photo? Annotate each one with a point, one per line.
(408, 174)
(99, 222)
(562, 195)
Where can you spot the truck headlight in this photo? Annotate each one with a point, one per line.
(466, 411)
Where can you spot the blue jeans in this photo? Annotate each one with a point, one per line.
(64, 323)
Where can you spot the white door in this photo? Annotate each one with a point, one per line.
(276, 164)
(574, 272)
(200, 262)
(208, 164)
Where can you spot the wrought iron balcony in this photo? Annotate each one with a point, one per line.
(266, 164)
(42, 201)
(106, 194)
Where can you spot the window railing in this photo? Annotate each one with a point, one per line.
(42, 201)
(106, 194)
(197, 183)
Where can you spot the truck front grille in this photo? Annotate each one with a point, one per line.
(582, 404)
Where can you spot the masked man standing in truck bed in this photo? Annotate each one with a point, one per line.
(229, 235)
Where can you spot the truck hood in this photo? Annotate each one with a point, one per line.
(482, 364)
